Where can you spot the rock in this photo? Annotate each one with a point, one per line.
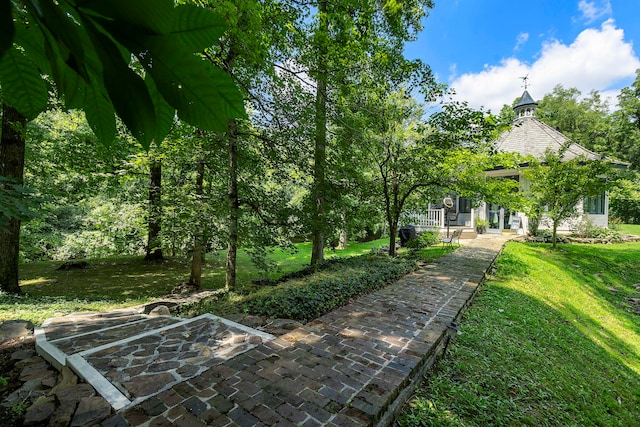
(23, 354)
(151, 384)
(63, 415)
(184, 288)
(237, 339)
(29, 361)
(37, 370)
(281, 326)
(40, 412)
(150, 307)
(249, 320)
(66, 379)
(161, 310)
(91, 410)
(75, 394)
(30, 389)
(73, 265)
(255, 340)
(15, 328)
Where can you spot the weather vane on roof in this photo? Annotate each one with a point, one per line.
(525, 80)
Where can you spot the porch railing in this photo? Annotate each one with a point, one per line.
(434, 218)
(427, 219)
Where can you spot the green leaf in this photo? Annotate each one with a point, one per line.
(165, 113)
(7, 31)
(60, 29)
(153, 15)
(73, 89)
(100, 114)
(126, 89)
(204, 95)
(197, 28)
(30, 38)
(22, 85)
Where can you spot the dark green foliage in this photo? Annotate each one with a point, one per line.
(588, 230)
(86, 49)
(424, 240)
(306, 299)
(14, 203)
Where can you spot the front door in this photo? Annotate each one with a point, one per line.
(493, 216)
(507, 219)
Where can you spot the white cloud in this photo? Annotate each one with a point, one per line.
(520, 40)
(592, 10)
(598, 59)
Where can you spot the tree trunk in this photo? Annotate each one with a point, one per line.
(154, 245)
(554, 235)
(320, 151)
(232, 200)
(12, 147)
(393, 215)
(342, 241)
(196, 263)
(393, 231)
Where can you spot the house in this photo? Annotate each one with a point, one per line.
(528, 136)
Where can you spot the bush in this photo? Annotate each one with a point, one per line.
(424, 240)
(313, 296)
(586, 229)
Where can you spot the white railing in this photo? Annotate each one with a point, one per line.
(434, 218)
(428, 219)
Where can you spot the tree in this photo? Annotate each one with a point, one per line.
(347, 40)
(557, 184)
(154, 242)
(583, 120)
(87, 50)
(427, 160)
(624, 201)
(625, 133)
(12, 148)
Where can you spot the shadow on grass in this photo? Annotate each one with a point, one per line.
(520, 361)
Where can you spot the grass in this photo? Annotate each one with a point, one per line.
(118, 282)
(551, 340)
(629, 229)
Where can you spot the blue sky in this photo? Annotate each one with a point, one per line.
(480, 48)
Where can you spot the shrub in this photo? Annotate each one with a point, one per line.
(586, 229)
(424, 240)
(318, 294)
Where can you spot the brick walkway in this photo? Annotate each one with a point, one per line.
(354, 366)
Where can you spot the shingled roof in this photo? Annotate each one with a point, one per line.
(532, 137)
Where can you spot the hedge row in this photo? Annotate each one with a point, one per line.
(318, 294)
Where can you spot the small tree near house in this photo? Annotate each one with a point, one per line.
(557, 186)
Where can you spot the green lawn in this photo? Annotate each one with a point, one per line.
(629, 229)
(126, 281)
(551, 340)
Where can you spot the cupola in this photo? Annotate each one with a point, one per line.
(526, 106)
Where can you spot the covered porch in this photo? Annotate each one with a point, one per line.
(431, 219)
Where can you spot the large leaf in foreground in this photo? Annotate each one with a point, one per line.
(204, 95)
(22, 85)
